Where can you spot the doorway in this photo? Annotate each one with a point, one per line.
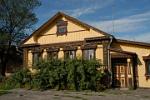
(121, 73)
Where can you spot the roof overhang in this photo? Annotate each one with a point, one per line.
(121, 54)
(146, 57)
(133, 42)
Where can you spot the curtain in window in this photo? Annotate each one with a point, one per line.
(36, 57)
(89, 54)
(69, 54)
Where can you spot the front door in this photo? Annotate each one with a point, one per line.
(121, 75)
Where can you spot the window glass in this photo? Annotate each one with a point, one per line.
(52, 55)
(36, 57)
(61, 27)
(89, 54)
(69, 54)
(148, 69)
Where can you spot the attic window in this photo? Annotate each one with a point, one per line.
(61, 27)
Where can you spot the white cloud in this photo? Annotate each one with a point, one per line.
(127, 24)
(143, 37)
(87, 10)
(81, 11)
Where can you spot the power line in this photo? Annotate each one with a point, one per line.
(113, 22)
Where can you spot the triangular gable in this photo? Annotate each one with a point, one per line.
(60, 14)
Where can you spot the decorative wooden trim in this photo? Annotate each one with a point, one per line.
(30, 45)
(52, 49)
(61, 23)
(37, 50)
(146, 60)
(88, 46)
(70, 48)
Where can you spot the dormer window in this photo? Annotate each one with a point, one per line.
(61, 27)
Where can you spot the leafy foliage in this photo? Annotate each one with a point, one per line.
(17, 80)
(16, 21)
(73, 74)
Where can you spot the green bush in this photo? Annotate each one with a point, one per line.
(76, 74)
(17, 80)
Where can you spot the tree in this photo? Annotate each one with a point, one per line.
(16, 19)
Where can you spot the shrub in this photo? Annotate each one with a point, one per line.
(75, 74)
(18, 79)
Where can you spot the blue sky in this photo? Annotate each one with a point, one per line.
(130, 18)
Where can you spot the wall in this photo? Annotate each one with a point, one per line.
(140, 51)
(76, 32)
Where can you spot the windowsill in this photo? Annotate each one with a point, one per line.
(64, 33)
(147, 76)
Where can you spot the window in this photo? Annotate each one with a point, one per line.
(36, 57)
(148, 67)
(122, 69)
(89, 54)
(53, 55)
(70, 54)
(61, 27)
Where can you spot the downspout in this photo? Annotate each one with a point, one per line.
(108, 48)
(109, 62)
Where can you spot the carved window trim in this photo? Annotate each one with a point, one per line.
(36, 52)
(37, 56)
(52, 53)
(147, 66)
(62, 26)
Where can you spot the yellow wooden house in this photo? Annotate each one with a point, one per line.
(63, 37)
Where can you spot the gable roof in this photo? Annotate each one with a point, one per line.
(68, 17)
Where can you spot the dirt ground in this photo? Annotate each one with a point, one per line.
(21, 94)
